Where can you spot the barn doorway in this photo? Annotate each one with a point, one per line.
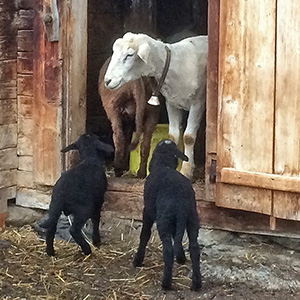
(108, 20)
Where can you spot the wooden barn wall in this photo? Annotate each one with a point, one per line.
(8, 103)
(29, 192)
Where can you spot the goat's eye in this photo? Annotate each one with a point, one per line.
(128, 55)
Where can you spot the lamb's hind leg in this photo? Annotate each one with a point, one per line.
(192, 230)
(50, 238)
(96, 234)
(75, 231)
(168, 253)
(144, 238)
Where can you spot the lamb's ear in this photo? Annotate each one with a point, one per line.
(181, 155)
(70, 147)
(108, 149)
(143, 52)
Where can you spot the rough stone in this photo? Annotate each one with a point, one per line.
(19, 216)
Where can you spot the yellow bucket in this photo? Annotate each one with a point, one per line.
(161, 133)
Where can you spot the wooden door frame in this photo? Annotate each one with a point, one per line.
(73, 51)
(212, 99)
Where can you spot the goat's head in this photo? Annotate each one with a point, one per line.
(167, 154)
(89, 145)
(129, 60)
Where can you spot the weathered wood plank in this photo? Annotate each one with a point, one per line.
(25, 179)
(7, 23)
(25, 106)
(5, 194)
(33, 198)
(8, 5)
(8, 159)
(25, 19)
(25, 63)
(8, 72)
(25, 40)
(47, 77)
(25, 163)
(246, 99)
(7, 91)
(136, 186)
(260, 180)
(26, 4)
(8, 193)
(212, 94)
(8, 136)
(25, 136)
(8, 111)
(25, 85)
(8, 178)
(211, 216)
(287, 106)
(76, 71)
(8, 47)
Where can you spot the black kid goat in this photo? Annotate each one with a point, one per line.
(80, 192)
(170, 201)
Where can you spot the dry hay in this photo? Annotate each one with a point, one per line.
(26, 272)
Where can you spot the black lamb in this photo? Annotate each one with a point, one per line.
(170, 201)
(80, 192)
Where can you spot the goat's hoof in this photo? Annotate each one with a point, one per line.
(141, 174)
(50, 252)
(196, 287)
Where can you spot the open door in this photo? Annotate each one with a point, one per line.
(59, 83)
(258, 165)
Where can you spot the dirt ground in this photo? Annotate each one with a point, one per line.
(234, 266)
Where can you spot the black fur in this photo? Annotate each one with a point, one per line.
(170, 201)
(80, 192)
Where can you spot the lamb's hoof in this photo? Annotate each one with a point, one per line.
(97, 242)
(87, 251)
(137, 262)
(181, 260)
(167, 286)
(196, 287)
(50, 252)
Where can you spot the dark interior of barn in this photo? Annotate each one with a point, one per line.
(168, 20)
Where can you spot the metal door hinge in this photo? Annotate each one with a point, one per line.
(51, 20)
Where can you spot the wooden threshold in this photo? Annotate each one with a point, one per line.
(260, 180)
(124, 199)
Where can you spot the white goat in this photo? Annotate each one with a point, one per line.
(184, 88)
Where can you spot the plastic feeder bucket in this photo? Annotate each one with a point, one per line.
(161, 133)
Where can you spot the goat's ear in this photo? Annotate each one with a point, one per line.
(143, 52)
(70, 147)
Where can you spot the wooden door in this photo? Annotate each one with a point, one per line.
(258, 115)
(59, 86)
